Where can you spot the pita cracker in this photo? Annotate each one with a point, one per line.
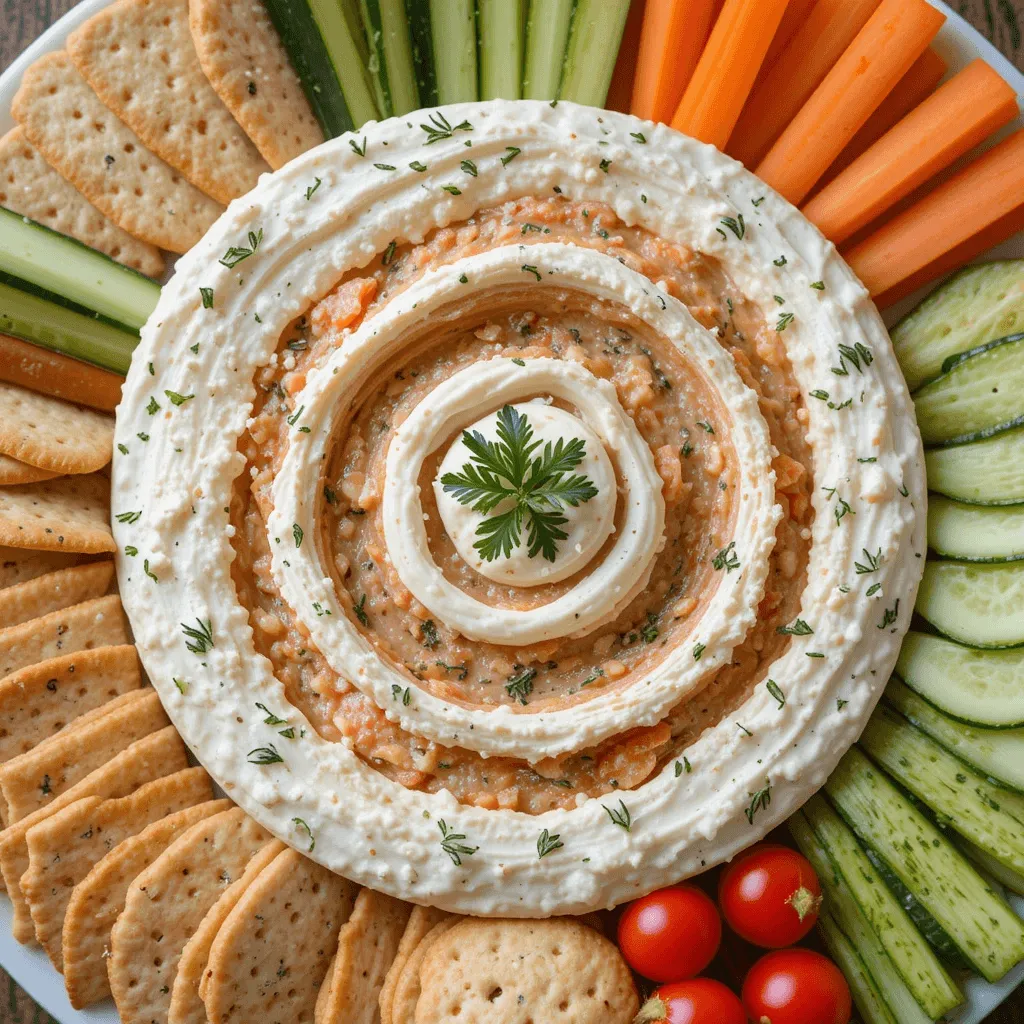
(31, 187)
(139, 57)
(167, 903)
(20, 564)
(99, 898)
(160, 753)
(14, 472)
(70, 513)
(271, 954)
(407, 991)
(82, 627)
(66, 846)
(187, 1006)
(54, 591)
(243, 58)
(105, 160)
(367, 945)
(421, 921)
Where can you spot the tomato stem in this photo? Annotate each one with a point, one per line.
(804, 902)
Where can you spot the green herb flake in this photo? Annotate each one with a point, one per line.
(265, 755)
(359, 608)
(520, 684)
(547, 843)
(439, 128)
(236, 254)
(198, 638)
(303, 827)
(776, 692)
(511, 152)
(452, 844)
(149, 572)
(297, 534)
(620, 816)
(428, 634)
(799, 628)
(312, 188)
(153, 407)
(177, 399)
(207, 297)
(469, 167)
(759, 801)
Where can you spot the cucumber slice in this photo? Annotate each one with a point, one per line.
(390, 56)
(989, 472)
(983, 926)
(547, 34)
(418, 14)
(453, 33)
(345, 51)
(1006, 877)
(979, 605)
(65, 269)
(501, 48)
(974, 306)
(870, 916)
(594, 39)
(76, 334)
(975, 533)
(867, 998)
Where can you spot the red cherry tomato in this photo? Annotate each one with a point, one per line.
(697, 1001)
(672, 934)
(770, 896)
(796, 986)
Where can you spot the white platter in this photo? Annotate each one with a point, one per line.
(958, 42)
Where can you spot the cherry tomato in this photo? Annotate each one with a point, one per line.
(796, 986)
(672, 934)
(697, 1001)
(770, 896)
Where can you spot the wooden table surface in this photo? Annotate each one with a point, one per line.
(1002, 21)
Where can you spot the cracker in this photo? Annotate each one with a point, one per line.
(31, 187)
(518, 972)
(82, 627)
(33, 780)
(158, 754)
(407, 991)
(40, 700)
(367, 945)
(165, 905)
(66, 846)
(421, 921)
(70, 513)
(139, 57)
(271, 953)
(14, 472)
(105, 160)
(187, 1006)
(53, 435)
(243, 58)
(20, 564)
(54, 591)
(99, 898)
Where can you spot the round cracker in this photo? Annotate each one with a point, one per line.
(406, 994)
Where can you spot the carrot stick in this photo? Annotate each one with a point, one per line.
(51, 373)
(621, 89)
(885, 48)
(727, 68)
(968, 109)
(796, 14)
(673, 36)
(782, 90)
(984, 192)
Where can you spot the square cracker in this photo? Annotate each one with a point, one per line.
(367, 945)
(64, 848)
(166, 904)
(41, 699)
(97, 901)
(31, 187)
(105, 160)
(53, 435)
(14, 472)
(82, 627)
(55, 590)
(160, 753)
(246, 63)
(139, 57)
(33, 780)
(271, 954)
(420, 923)
(20, 564)
(70, 513)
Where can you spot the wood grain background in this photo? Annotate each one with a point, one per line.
(1002, 21)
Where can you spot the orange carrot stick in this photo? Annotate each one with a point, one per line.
(51, 373)
(673, 36)
(727, 68)
(984, 192)
(796, 14)
(782, 90)
(621, 89)
(885, 48)
(968, 109)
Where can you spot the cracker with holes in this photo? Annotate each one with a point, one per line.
(421, 921)
(54, 591)
(17, 565)
(14, 472)
(64, 848)
(31, 187)
(139, 58)
(271, 953)
(166, 904)
(407, 990)
(70, 513)
(243, 58)
(82, 627)
(105, 160)
(97, 901)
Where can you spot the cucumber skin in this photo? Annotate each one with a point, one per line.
(418, 14)
(59, 300)
(594, 39)
(547, 36)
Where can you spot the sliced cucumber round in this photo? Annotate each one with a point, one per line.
(975, 533)
(979, 605)
(978, 394)
(989, 472)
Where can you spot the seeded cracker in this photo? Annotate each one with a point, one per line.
(55, 590)
(71, 513)
(271, 954)
(64, 848)
(31, 187)
(20, 564)
(105, 160)
(407, 991)
(139, 58)
(421, 921)
(165, 905)
(14, 472)
(99, 898)
(245, 62)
